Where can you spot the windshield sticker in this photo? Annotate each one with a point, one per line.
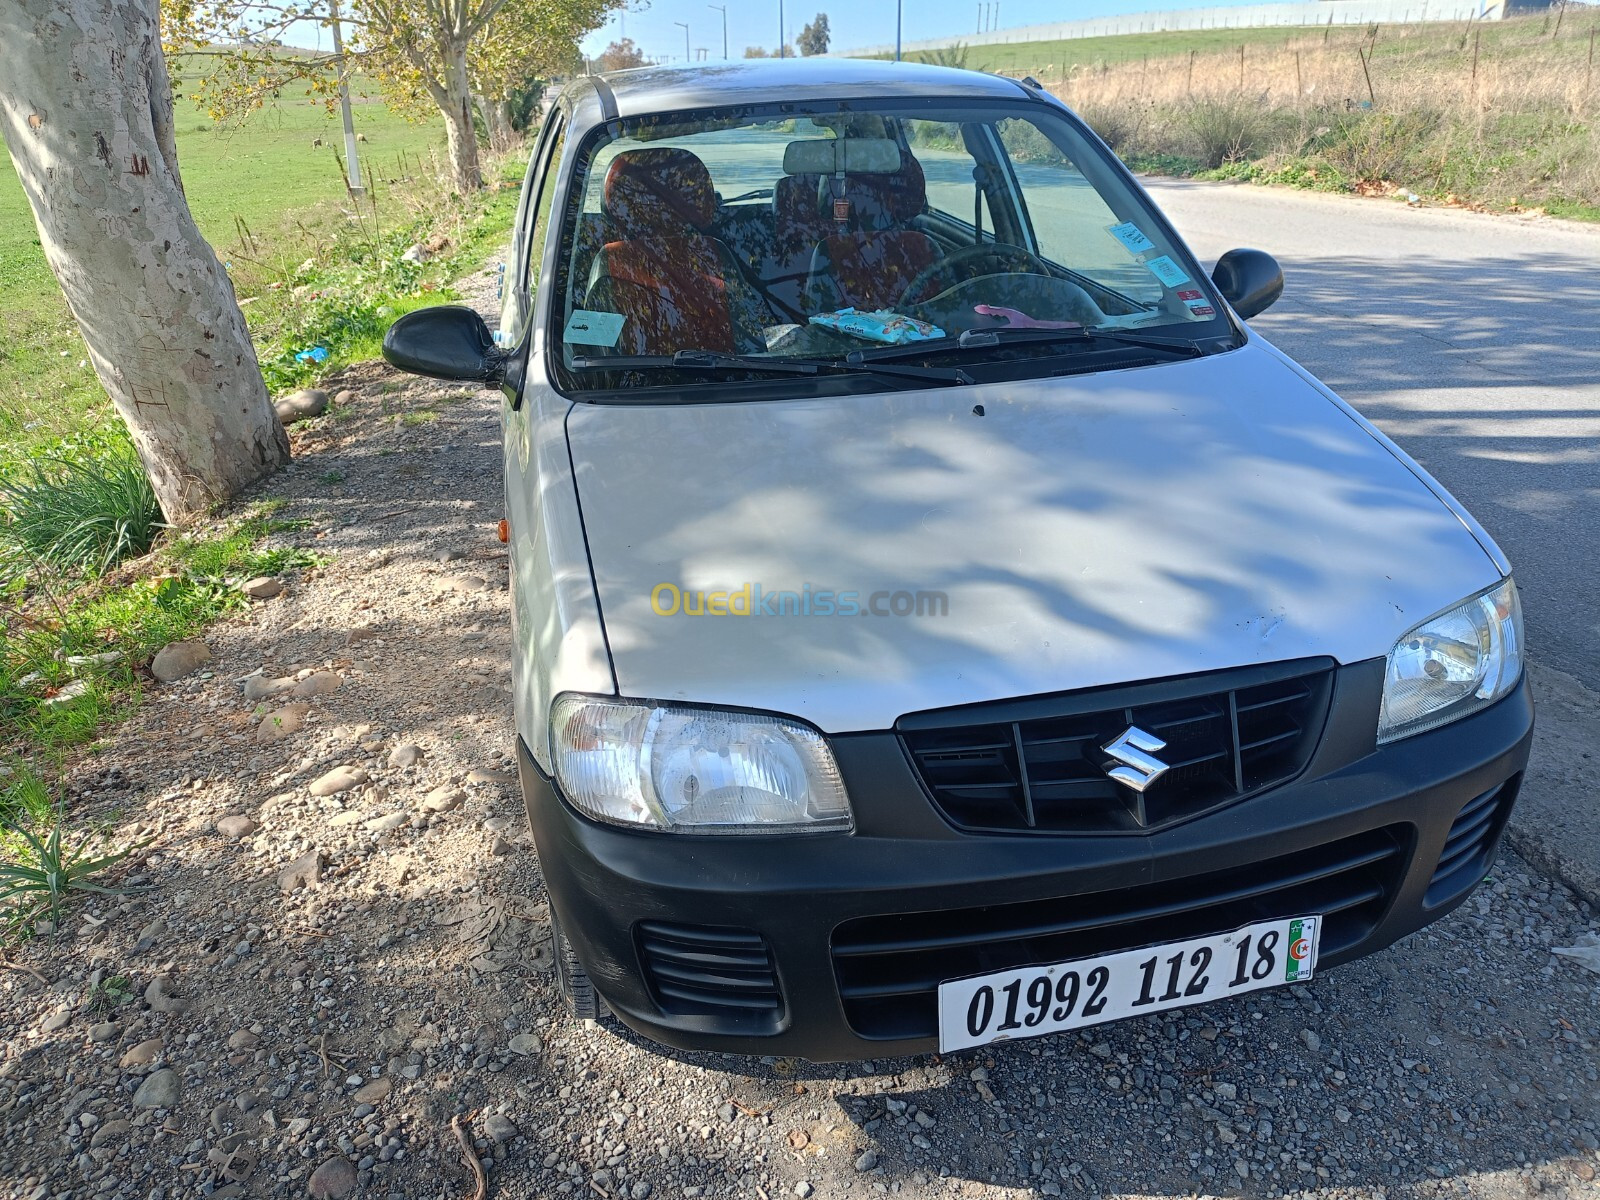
(1131, 236)
(1169, 272)
(1189, 294)
(1200, 308)
(593, 328)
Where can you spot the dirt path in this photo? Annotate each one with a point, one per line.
(310, 987)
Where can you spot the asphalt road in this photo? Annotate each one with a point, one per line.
(1473, 341)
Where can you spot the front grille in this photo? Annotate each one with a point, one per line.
(889, 968)
(707, 971)
(1470, 847)
(1041, 767)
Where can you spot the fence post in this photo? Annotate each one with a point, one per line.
(1241, 66)
(1299, 87)
(1371, 96)
(1476, 34)
(1188, 81)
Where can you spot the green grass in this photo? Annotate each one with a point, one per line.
(1059, 57)
(192, 580)
(263, 172)
(1503, 41)
(24, 796)
(82, 510)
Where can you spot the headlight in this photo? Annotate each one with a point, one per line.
(1453, 665)
(694, 770)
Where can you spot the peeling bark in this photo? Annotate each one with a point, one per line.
(461, 139)
(86, 110)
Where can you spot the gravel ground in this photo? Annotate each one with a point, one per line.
(325, 967)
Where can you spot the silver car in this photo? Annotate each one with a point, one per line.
(939, 617)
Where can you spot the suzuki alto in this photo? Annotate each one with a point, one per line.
(939, 618)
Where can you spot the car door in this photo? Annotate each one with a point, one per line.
(530, 575)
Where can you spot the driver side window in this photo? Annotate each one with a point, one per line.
(522, 280)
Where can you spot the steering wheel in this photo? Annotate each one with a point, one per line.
(1003, 256)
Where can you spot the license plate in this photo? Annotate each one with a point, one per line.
(1031, 1001)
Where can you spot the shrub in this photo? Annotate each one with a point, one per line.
(81, 510)
(956, 56)
(1225, 129)
(1373, 147)
(1118, 125)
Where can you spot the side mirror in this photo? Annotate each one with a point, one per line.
(445, 342)
(1250, 280)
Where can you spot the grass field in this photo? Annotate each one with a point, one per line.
(1502, 115)
(1501, 41)
(263, 172)
(1056, 59)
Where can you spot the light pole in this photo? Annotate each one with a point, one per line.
(899, 12)
(783, 46)
(723, 9)
(687, 53)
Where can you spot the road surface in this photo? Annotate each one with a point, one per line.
(1472, 340)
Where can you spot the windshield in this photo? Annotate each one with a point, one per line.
(830, 235)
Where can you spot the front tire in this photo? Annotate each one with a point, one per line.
(577, 992)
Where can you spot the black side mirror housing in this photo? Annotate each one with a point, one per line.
(448, 341)
(1250, 280)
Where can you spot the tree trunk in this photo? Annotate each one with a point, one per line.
(497, 120)
(86, 108)
(461, 139)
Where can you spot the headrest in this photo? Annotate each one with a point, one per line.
(852, 156)
(797, 200)
(661, 191)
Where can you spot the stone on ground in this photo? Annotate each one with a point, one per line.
(174, 661)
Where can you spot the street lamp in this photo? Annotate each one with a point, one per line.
(783, 47)
(723, 9)
(899, 12)
(687, 53)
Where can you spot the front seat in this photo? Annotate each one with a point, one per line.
(868, 265)
(678, 287)
(798, 224)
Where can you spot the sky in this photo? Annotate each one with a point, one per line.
(860, 23)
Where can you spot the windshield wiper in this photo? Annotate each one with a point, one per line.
(983, 339)
(715, 360)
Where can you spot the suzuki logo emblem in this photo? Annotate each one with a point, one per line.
(1135, 751)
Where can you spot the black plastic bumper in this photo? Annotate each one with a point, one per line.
(821, 947)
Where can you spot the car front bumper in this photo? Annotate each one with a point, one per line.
(830, 947)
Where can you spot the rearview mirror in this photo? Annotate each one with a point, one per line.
(446, 342)
(1250, 280)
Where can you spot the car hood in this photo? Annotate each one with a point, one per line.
(1086, 530)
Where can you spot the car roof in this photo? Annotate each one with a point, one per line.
(647, 90)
